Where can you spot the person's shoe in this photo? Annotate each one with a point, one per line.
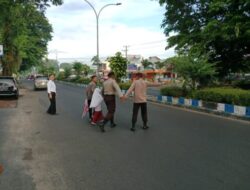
(113, 125)
(145, 127)
(102, 128)
(92, 123)
(132, 129)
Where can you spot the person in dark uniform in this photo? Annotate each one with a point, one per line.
(51, 88)
(110, 89)
(89, 93)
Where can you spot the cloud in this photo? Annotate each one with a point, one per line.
(134, 22)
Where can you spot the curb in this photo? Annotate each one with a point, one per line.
(240, 112)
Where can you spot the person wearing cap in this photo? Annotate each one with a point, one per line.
(139, 87)
(89, 93)
(110, 89)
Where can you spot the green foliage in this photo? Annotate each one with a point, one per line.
(220, 29)
(95, 60)
(224, 95)
(78, 66)
(60, 76)
(195, 70)
(48, 67)
(243, 84)
(118, 65)
(146, 63)
(67, 72)
(86, 69)
(83, 80)
(64, 65)
(25, 40)
(160, 65)
(174, 91)
(125, 86)
(80, 80)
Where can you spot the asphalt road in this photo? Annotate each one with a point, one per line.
(182, 150)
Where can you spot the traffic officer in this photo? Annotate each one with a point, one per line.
(110, 89)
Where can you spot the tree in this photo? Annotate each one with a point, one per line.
(78, 66)
(48, 66)
(118, 64)
(67, 72)
(146, 63)
(65, 65)
(85, 69)
(218, 28)
(194, 69)
(25, 40)
(160, 65)
(95, 60)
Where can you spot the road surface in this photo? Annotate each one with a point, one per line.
(182, 150)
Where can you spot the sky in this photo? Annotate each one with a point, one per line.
(135, 24)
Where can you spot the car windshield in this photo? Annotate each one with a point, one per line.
(8, 82)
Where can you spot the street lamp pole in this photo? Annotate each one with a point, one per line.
(97, 15)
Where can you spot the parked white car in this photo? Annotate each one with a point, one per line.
(40, 82)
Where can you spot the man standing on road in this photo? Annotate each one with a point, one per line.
(110, 89)
(51, 88)
(89, 93)
(139, 86)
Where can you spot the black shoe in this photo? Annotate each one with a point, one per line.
(132, 129)
(101, 126)
(113, 125)
(145, 127)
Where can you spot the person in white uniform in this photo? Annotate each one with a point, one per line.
(51, 88)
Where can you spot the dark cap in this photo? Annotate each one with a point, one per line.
(111, 74)
(93, 76)
(139, 74)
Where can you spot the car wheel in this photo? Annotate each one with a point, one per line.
(16, 96)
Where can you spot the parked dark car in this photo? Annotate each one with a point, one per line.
(8, 87)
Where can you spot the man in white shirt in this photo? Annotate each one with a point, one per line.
(51, 88)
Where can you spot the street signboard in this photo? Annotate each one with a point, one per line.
(1, 50)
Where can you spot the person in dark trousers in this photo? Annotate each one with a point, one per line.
(139, 87)
(110, 89)
(89, 93)
(51, 88)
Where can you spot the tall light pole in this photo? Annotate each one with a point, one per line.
(97, 15)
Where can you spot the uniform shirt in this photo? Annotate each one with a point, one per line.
(140, 90)
(51, 87)
(90, 90)
(110, 87)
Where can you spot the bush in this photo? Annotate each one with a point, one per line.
(224, 95)
(244, 84)
(83, 80)
(125, 86)
(175, 91)
(60, 76)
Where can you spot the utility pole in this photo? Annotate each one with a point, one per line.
(97, 15)
(126, 51)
